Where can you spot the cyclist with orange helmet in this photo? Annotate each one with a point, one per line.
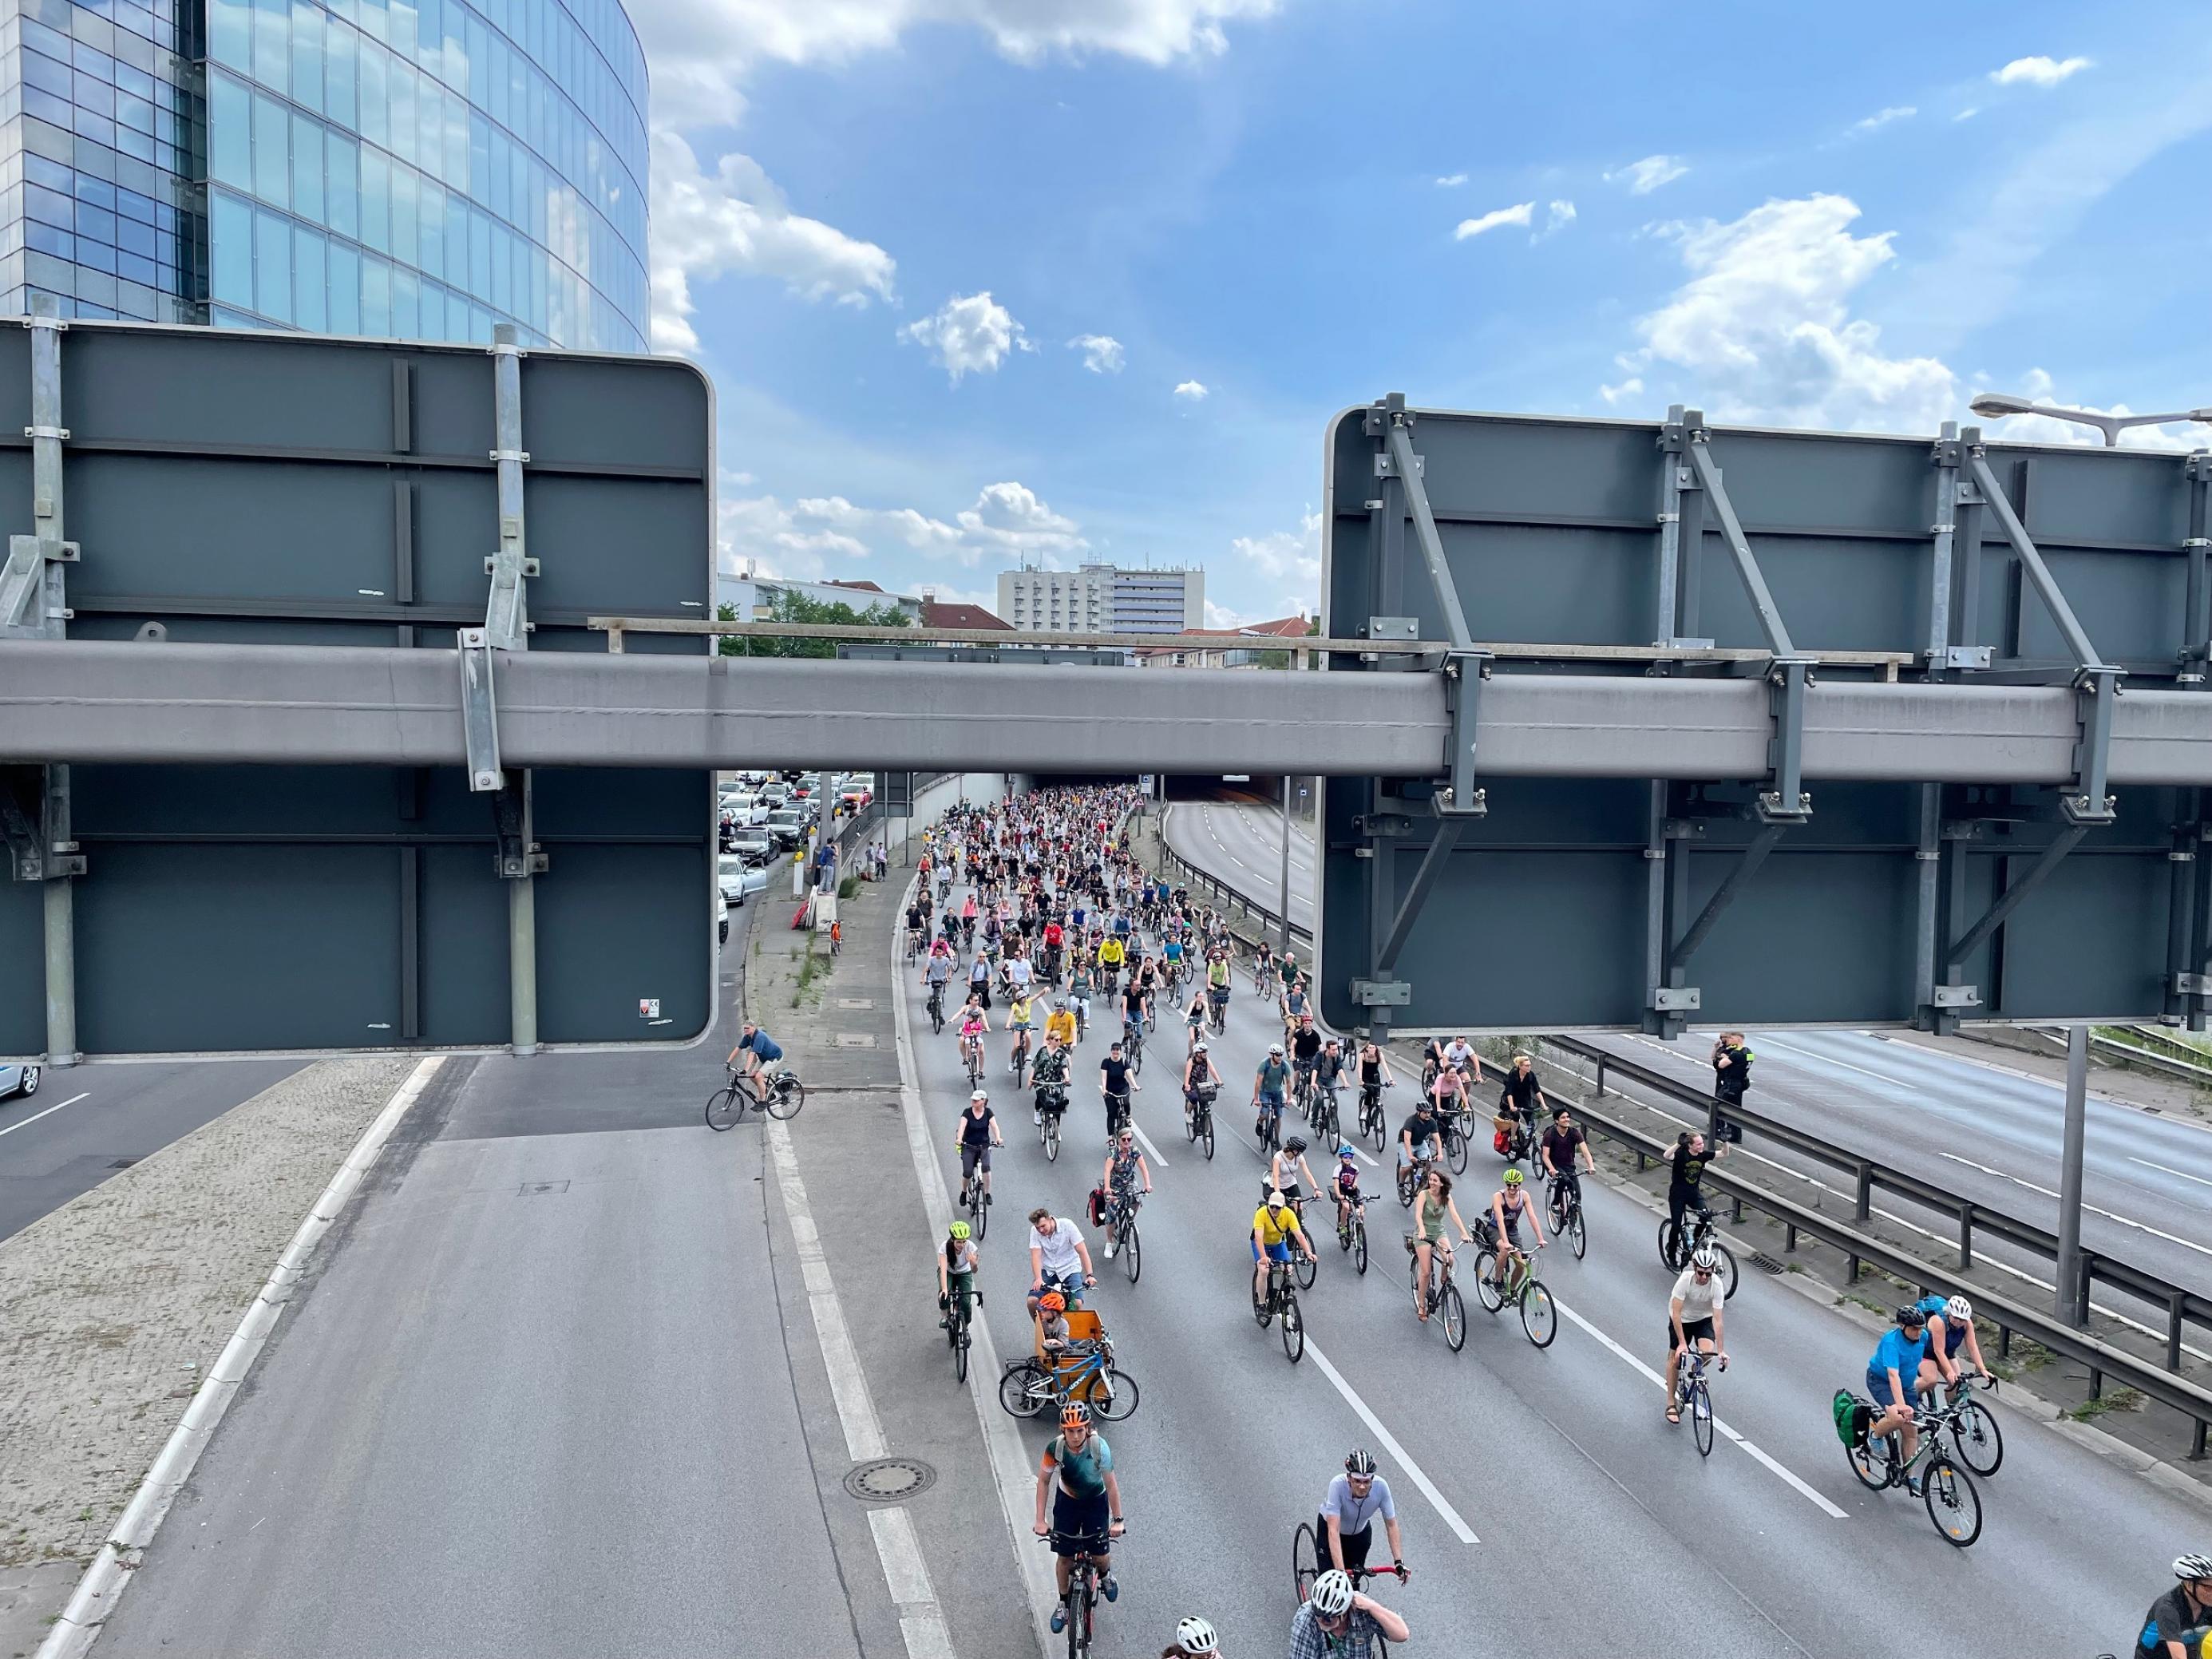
(1077, 1472)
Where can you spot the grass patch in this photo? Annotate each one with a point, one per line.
(2117, 1400)
(848, 887)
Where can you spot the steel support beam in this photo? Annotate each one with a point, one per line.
(2010, 900)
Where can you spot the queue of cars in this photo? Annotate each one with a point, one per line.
(766, 814)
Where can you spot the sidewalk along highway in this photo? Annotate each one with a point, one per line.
(1558, 1461)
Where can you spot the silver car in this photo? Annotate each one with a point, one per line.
(738, 879)
(18, 1081)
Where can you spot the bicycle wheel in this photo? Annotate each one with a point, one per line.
(960, 1341)
(1701, 1417)
(1075, 1610)
(1487, 1289)
(1670, 1244)
(1728, 1270)
(1305, 1560)
(1555, 1204)
(1263, 1308)
(979, 1210)
(1307, 1266)
(1136, 1054)
(1870, 1461)
(1980, 1443)
(1133, 1254)
(1025, 1388)
(1052, 1137)
(1406, 1187)
(1205, 1138)
(724, 1108)
(1359, 1245)
(1294, 1328)
(1539, 1314)
(1456, 1151)
(1455, 1316)
(1953, 1504)
(784, 1100)
(1190, 1123)
(1577, 1234)
(1114, 1395)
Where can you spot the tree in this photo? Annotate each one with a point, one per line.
(1282, 659)
(790, 607)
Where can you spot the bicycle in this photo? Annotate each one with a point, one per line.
(1052, 1103)
(1694, 1395)
(1326, 1122)
(1351, 1230)
(1411, 1178)
(977, 1202)
(1371, 1123)
(1124, 1233)
(1564, 1198)
(1078, 1606)
(1270, 1125)
(1283, 1298)
(1198, 1118)
(1263, 969)
(973, 1048)
(1675, 1254)
(1443, 1296)
(1028, 1386)
(1496, 1284)
(785, 1094)
(913, 946)
(1953, 1505)
(1117, 1113)
(1217, 1009)
(1307, 1564)
(1133, 1046)
(937, 1010)
(1021, 1056)
(1975, 1435)
(958, 1316)
(1450, 1130)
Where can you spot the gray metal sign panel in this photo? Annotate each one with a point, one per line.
(1627, 903)
(286, 489)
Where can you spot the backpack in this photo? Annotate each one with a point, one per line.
(1098, 1203)
(1852, 1415)
(1498, 1141)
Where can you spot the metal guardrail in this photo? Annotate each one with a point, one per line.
(2183, 1308)
(1222, 896)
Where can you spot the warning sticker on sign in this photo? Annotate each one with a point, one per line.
(648, 1007)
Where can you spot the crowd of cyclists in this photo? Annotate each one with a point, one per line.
(1055, 925)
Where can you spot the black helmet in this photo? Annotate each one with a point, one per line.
(1910, 1314)
(1295, 1144)
(1361, 1462)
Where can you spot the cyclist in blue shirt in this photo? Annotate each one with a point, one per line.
(1950, 1328)
(759, 1049)
(1894, 1380)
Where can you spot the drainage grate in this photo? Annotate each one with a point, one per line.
(539, 1188)
(856, 1039)
(1766, 1264)
(889, 1480)
(123, 1163)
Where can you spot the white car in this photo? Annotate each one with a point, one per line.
(738, 879)
(18, 1081)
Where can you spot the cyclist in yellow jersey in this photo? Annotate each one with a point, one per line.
(1060, 1023)
(1111, 954)
(1274, 1224)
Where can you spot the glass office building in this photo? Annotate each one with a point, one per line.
(417, 169)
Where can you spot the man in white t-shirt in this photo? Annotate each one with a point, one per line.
(1693, 1315)
(1059, 1258)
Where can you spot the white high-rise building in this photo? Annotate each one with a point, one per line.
(1102, 599)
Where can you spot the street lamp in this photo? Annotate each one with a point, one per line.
(1994, 404)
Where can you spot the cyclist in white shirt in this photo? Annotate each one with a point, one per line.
(1346, 1522)
(1693, 1315)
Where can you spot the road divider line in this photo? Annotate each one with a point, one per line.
(2145, 1162)
(1390, 1443)
(2109, 1215)
(93, 1601)
(1653, 1377)
(1145, 1141)
(1011, 1473)
(49, 1112)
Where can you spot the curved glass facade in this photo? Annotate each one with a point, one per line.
(419, 169)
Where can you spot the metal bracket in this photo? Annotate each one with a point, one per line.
(1785, 801)
(1957, 657)
(31, 588)
(1392, 627)
(2192, 985)
(518, 856)
(1464, 673)
(479, 711)
(2196, 547)
(507, 611)
(2084, 801)
(1958, 996)
(26, 812)
(1382, 993)
(1385, 467)
(1676, 998)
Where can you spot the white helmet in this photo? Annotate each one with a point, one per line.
(2189, 1568)
(1195, 1636)
(1706, 1259)
(980, 1094)
(1332, 1594)
(1959, 1311)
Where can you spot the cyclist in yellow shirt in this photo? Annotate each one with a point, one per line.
(1111, 955)
(1274, 1224)
(1060, 1023)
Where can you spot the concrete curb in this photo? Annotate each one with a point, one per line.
(104, 1581)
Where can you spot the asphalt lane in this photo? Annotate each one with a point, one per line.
(1242, 843)
(85, 1122)
(1558, 1461)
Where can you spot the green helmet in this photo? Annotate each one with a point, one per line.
(1512, 1177)
(958, 1230)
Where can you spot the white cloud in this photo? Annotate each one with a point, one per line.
(736, 221)
(1291, 558)
(971, 333)
(806, 538)
(1220, 615)
(1645, 176)
(2177, 437)
(702, 50)
(2038, 71)
(1968, 113)
(1102, 353)
(1491, 221)
(1191, 392)
(1614, 395)
(1883, 117)
(1451, 181)
(1558, 215)
(1764, 329)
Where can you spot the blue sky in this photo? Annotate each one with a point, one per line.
(982, 280)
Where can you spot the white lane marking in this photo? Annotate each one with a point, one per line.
(1145, 1140)
(49, 1112)
(1768, 1041)
(1832, 1512)
(1464, 1532)
(2109, 1215)
(921, 1620)
(2184, 1174)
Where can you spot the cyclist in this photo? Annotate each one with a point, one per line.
(1893, 1375)
(1287, 969)
(1274, 1224)
(1115, 1084)
(1136, 1007)
(1171, 951)
(1693, 1315)
(1193, 1018)
(1076, 1471)
(1561, 1142)
(1346, 1525)
(979, 976)
(759, 1051)
(2175, 1617)
(979, 1133)
(1194, 1639)
(1434, 1207)
(915, 918)
(1508, 1204)
(1021, 1020)
(1294, 1005)
(1328, 1076)
(1263, 964)
(1125, 1167)
(1111, 955)
(1080, 976)
(1345, 1185)
(973, 1024)
(1420, 1137)
(1337, 1622)
(1267, 1084)
(1061, 1023)
(1522, 1097)
(1951, 1327)
(1687, 1166)
(956, 1269)
(1305, 1051)
(1285, 1169)
(1059, 1262)
(1198, 1072)
(1374, 1072)
(1049, 1074)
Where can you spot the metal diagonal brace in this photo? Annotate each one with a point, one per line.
(1746, 564)
(1440, 849)
(2010, 900)
(1746, 865)
(1405, 467)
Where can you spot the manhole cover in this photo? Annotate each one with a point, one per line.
(856, 1002)
(539, 1188)
(856, 1039)
(1765, 1263)
(889, 1480)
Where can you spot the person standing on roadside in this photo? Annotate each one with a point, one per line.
(1732, 1058)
